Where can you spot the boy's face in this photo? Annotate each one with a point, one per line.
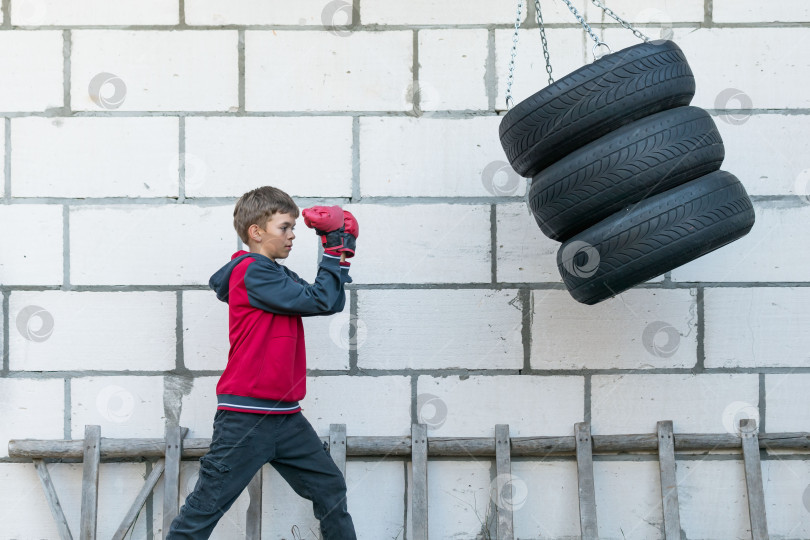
(275, 239)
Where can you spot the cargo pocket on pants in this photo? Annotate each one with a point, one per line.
(209, 485)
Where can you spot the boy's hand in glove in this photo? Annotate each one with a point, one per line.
(328, 224)
(351, 230)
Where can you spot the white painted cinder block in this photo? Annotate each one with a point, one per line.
(786, 487)
(308, 157)
(771, 251)
(545, 502)
(471, 406)
(231, 525)
(32, 409)
(253, 12)
(197, 240)
(328, 339)
(374, 495)
(460, 493)
(431, 12)
(24, 509)
(524, 253)
(473, 329)
(33, 254)
(93, 12)
(452, 69)
(362, 71)
(787, 402)
(750, 11)
(769, 153)
(123, 406)
(205, 331)
(63, 330)
(712, 403)
(435, 157)
(565, 49)
(94, 157)
(422, 243)
(712, 499)
(649, 11)
(628, 499)
(199, 406)
(644, 329)
(367, 405)
(153, 70)
(756, 62)
(31, 64)
(757, 327)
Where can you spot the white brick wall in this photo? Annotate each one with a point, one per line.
(471, 329)
(769, 252)
(757, 327)
(303, 156)
(197, 240)
(94, 157)
(93, 12)
(193, 70)
(409, 157)
(31, 64)
(452, 69)
(531, 405)
(33, 255)
(643, 329)
(102, 232)
(694, 403)
(123, 406)
(32, 409)
(124, 331)
(422, 243)
(364, 71)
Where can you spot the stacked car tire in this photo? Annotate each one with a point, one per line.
(625, 173)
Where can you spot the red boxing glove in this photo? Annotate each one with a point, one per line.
(351, 229)
(323, 219)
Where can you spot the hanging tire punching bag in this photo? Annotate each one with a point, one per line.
(595, 99)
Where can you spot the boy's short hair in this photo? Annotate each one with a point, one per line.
(258, 206)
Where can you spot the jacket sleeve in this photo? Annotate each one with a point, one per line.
(279, 290)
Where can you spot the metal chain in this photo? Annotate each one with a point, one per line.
(621, 21)
(511, 75)
(543, 39)
(584, 24)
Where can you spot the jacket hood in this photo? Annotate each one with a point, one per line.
(221, 279)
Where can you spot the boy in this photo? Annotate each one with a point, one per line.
(258, 418)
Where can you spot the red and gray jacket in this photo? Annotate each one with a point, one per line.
(266, 370)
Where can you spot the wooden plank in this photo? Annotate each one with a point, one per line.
(136, 449)
(587, 495)
(53, 500)
(92, 457)
(419, 499)
(337, 446)
(140, 500)
(171, 477)
(254, 511)
(669, 481)
(503, 482)
(753, 479)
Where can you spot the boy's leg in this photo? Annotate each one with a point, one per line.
(304, 463)
(240, 445)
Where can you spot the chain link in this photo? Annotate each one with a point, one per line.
(511, 76)
(621, 21)
(584, 24)
(543, 39)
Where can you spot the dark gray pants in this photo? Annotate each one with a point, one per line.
(241, 444)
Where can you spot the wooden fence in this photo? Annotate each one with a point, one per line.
(502, 447)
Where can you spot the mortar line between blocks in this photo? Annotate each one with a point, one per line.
(66, 66)
(179, 364)
(700, 335)
(356, 195)
(7, 161)
(353, 326)
(241, 70)
(181, 14)
(708, 13)
(6, 7)
(6, 318)
(181, 152)
(67, 416)
(526, 302)
(490, 71)
(762, 403)
(587, 402)
(416, 94)
(66, 247)
(493, 242)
